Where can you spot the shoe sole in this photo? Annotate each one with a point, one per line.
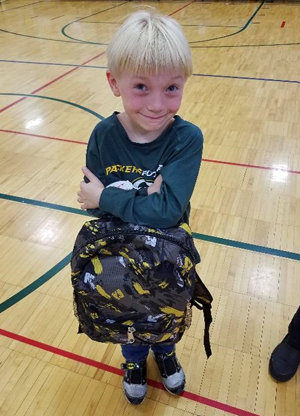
(279, 377)
(172, 392)
(135, 404)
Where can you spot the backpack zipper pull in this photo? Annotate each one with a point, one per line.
(188, 316)
(130, 331)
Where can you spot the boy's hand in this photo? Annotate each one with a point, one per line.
(89, 194)
(156, 185)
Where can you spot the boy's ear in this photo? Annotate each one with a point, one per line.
(113, 83)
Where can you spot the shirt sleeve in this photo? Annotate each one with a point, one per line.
(94, 164)
(164, 209)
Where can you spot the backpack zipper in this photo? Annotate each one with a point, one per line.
(137, 232)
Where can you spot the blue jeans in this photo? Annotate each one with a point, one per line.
(139, 352)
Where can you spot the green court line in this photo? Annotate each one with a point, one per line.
(55, 99)
(20, 7)
(245, 46)
(43, 204)
(38, 37)
(63, 30)
(66, 260)
(246, 246)
(194, 47)
(204, 237)
(36, 284)
(234, 33)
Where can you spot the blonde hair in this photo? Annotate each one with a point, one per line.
(149, 43)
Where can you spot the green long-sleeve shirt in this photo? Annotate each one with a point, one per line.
(176, 155)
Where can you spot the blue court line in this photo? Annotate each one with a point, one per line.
(195, 75)
(203, 237)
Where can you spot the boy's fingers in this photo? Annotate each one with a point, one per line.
(82, 185)
(89, 174)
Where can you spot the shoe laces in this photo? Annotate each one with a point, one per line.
(168, 364)
(135, 373)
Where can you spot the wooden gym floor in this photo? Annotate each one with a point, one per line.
(245, 96)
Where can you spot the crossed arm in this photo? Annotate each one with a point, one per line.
(90, 193)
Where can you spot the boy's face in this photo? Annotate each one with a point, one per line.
(151, 101)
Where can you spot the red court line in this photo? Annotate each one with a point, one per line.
(50, 83)
(43, 137)
(57, 17)
(72, 70)
(19, 7)
(14, 103)
(176, 11)
(67, 354)
(251, 166)
(282, 24)
(245, 165)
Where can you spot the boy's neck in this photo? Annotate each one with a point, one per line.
(137, 135)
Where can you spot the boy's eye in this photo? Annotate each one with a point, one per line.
(172, 88)
(141, 87)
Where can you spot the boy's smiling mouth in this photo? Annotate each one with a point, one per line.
(154, 118)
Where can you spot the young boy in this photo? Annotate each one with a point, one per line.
(142, 164)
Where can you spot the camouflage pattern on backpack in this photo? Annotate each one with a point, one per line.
(135, 284)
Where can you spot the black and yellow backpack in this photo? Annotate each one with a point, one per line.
(136, 284)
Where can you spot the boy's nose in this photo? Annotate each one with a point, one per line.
(155, 103)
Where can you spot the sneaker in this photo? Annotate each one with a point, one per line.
(173, 377)
(284, 361)
(135, 381)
